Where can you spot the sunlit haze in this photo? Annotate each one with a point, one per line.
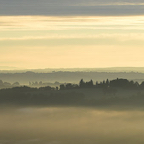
(72, 41)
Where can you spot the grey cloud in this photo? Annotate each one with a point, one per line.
(71, 7)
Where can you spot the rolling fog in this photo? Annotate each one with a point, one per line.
(70, 125)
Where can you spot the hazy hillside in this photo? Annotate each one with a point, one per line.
(74, 77)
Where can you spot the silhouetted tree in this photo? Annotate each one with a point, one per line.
(136, 84)
(107, 82)
(62, 87)
(96, 83)
(142, 85)
(82, 83)
(69, 86)
(122, 83)
(104, 82)
(89, 84)
(1, 84)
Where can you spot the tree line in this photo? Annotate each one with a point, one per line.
(48, 95)
(119, 83)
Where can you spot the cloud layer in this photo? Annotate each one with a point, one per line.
(71, 7)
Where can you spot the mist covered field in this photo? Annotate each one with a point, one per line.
(71, 125)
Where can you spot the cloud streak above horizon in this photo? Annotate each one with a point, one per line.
(12, 23)
(21, 28)
(72, 7)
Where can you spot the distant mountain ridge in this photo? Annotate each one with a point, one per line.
(7, 69)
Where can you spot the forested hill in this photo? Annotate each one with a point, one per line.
(109, 92)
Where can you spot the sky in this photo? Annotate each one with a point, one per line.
(71, 33)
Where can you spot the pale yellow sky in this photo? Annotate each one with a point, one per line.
(68, 42)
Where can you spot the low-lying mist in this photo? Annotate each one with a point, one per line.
(70, 125)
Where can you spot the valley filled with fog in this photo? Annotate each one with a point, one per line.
(63, 125)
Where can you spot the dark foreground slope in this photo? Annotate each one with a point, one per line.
(91, 97)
